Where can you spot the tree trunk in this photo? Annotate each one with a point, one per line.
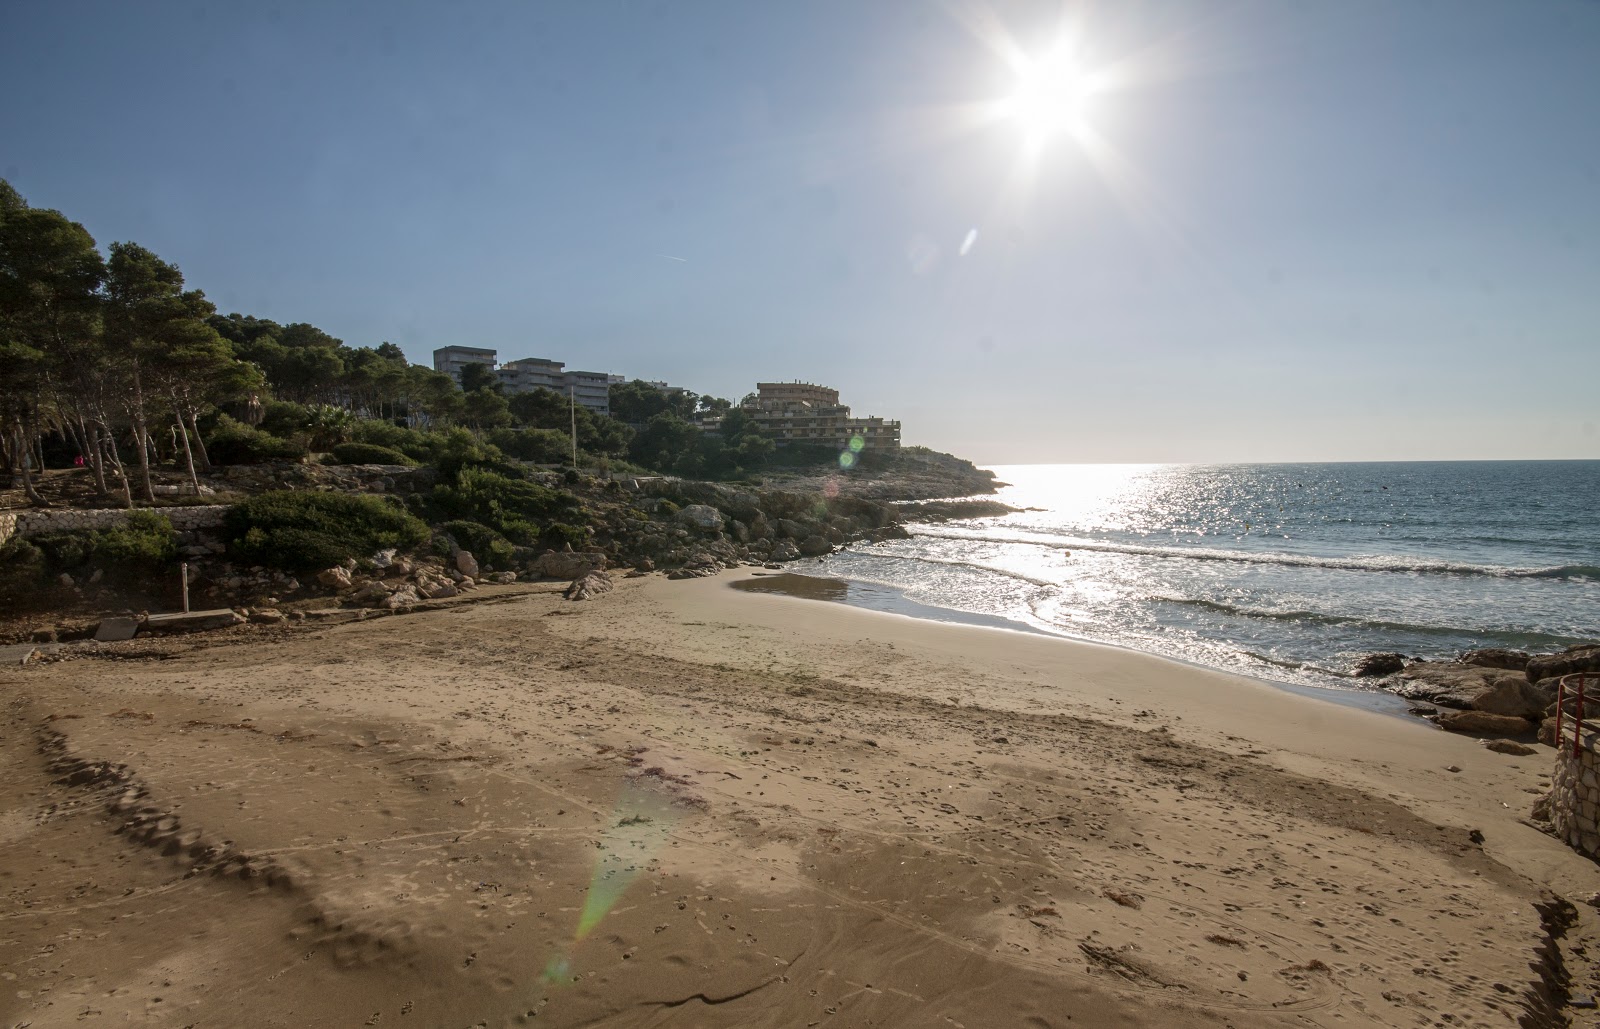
(205, 458)
(141, 436)
(105, 437)
(91, 452)
(188, 453)
(25, 452)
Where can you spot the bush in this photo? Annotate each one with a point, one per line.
(419, 446)
(542, 446)
(558, 534)
(233, 442)
(491, 549)
(369, 453)
(143, 546)
(23, 568)
(317, 530)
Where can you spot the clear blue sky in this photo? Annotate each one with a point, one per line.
(1335, 230)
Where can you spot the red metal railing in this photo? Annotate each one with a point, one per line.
(1571, 689)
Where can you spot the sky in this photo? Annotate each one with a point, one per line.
(1238, 230)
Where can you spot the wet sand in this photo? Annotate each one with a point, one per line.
(683, 804)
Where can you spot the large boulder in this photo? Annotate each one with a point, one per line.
(404, 597)
(1484, 722)
(466, 564)
(336, 577)
(788, 528)
(1516, 697)
(1497, 657)
(701, 516)
(590, 586)
(815, 546)
(1582, 658)
(699, 565)
(1373, 665)
(1447, 683)
(567, 564)
(370, 594)
(785, 550)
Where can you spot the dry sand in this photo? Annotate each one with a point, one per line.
(682, 804)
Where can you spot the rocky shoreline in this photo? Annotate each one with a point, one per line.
(1490, 692)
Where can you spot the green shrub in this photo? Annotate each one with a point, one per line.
(368, 453)
(542, 446)
(494, 498)
(233, 442)
(419, 446)
(23, 568)
(558, 534)
(316, 530)
(284, 418)
(491, 549)
(143, 546)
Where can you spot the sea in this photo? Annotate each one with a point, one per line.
(1284, 572)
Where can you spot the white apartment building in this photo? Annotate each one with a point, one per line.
(452, 359)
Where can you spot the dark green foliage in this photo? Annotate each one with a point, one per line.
(491, 549)
(316, 530)
(513, 507)
(478, 376)
(144, 546)
(541, 446)
(419, 446)
(368, 453)
(233, 442)
(546, 409)
(23, 567)
(558, 534)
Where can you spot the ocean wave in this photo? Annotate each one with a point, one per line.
(1512, 637)
(973, 566)
(1364, 563)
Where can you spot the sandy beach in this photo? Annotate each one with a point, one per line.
(683, 804)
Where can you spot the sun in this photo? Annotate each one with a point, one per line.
(1052, 95)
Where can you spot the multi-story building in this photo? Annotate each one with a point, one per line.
(452, 359)
(591, 389)
(531, 373)
(800, 412)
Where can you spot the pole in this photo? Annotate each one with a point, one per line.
(185, 575)
(572, 410)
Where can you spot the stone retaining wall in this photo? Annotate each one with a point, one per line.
(1575, 797)
(37, 523)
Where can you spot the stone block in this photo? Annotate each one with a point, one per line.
(113, 630)
(193, 621)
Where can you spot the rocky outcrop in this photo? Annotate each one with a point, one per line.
(816, 546)
(1379, 664)
(566, 564)
(1484, 722)
(1449, 684)
(589, 586)
(466, 564)
(699, 565)
(1497, 657)
(701, 516)
(1582, 658)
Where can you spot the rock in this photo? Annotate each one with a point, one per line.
(788, 528)
(336, 577)
(701, 516)
(1509, 747)
(588, 587)
(405, 596)
(1582, 658)
(370, 594)
(1516, 697)
(785, 550)
(1379, 664)
(1484, 722)
(44, 636)
(1447, 683)
(438, 589)
(383, 558)
(501, 578)
(644, 564)
(567, 564)
(699, 565)
(193, 621)
(113, 630)
(466, 564)
(266, 616)
(815, 546)
(1547, 731)
(66, 580)
(1497, 657)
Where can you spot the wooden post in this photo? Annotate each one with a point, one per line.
(185, 575)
